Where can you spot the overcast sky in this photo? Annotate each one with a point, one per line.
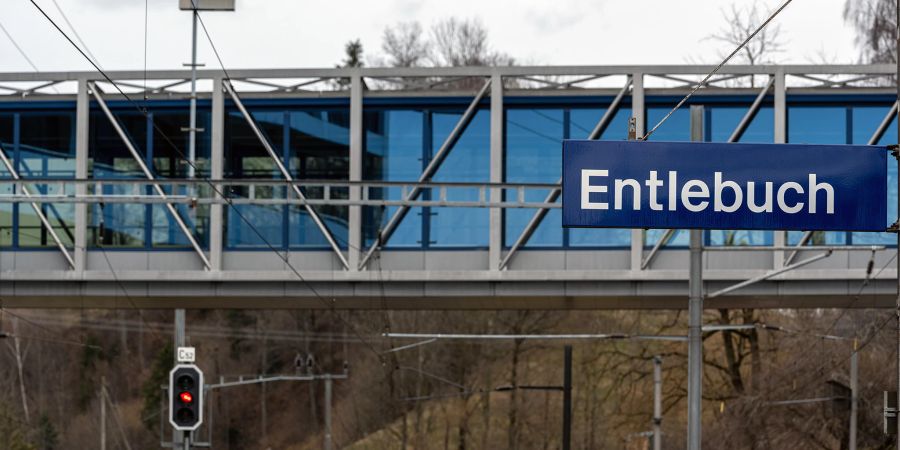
(307, 33)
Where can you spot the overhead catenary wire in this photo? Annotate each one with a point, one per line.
(716, 69)
(75, 32)
(52, 341)
(18, 47)
(237, 212)
(212, 331)
(22, 52)
(386, 318)
(843, 311)
(62, 337)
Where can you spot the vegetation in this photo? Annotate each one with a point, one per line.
(875, 23)
(459, 394)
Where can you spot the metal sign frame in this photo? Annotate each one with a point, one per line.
(201, 388)
(206, 5)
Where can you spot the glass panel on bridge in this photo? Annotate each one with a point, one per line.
(395, 141)
(45, 149)
(469, 160)
(400, 138)
(313, 144)
(533, 139)
(818, 124)
(7, 125)
(319, 144)
(864, 123)
(117, 224)
(160, 138)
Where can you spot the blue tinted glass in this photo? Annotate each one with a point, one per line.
(165, 230)
(866, 120)
(305, 233)
(170, 148)
(675, 128)
(171, 144)
(739, 237)
(248, 226)
(817, 125)
(47, 145)
(46, 150)
(468, 161)
(117, 224)
(818, 238)
(680, 238)
(533, 155)
(581, 124)
(394, 143)
(319, 144)
(7, 122)
(723, 120)
(163, 151)
(267, 226)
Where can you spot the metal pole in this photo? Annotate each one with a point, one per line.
(657, 403)
(897, 82)
(187, 440)
(179, 342)
(567, 400)
(327, 443)
(854, 395)
(179, 328)
(102, 414)
(695, 311)
(192, 131)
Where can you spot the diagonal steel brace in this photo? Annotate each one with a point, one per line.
(770, 274)
(735, 136)
(873, 140)
(555, 192)
(429, 172)
(159, 190)
(37, 210)
(286, 174)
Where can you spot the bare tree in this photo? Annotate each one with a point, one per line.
(741, 22)
(876, 28)
(16, 350)
(450, 42)
(405, 45)
(464, 42)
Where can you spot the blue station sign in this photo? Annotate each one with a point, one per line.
(634, 184)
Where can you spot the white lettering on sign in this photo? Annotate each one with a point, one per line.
(695, 195)
(654, 183)
(767, 200)
(587, 189)
(688, 192)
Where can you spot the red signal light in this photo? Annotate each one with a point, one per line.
(186, 397)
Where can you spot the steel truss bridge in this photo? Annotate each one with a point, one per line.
(359, 274)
